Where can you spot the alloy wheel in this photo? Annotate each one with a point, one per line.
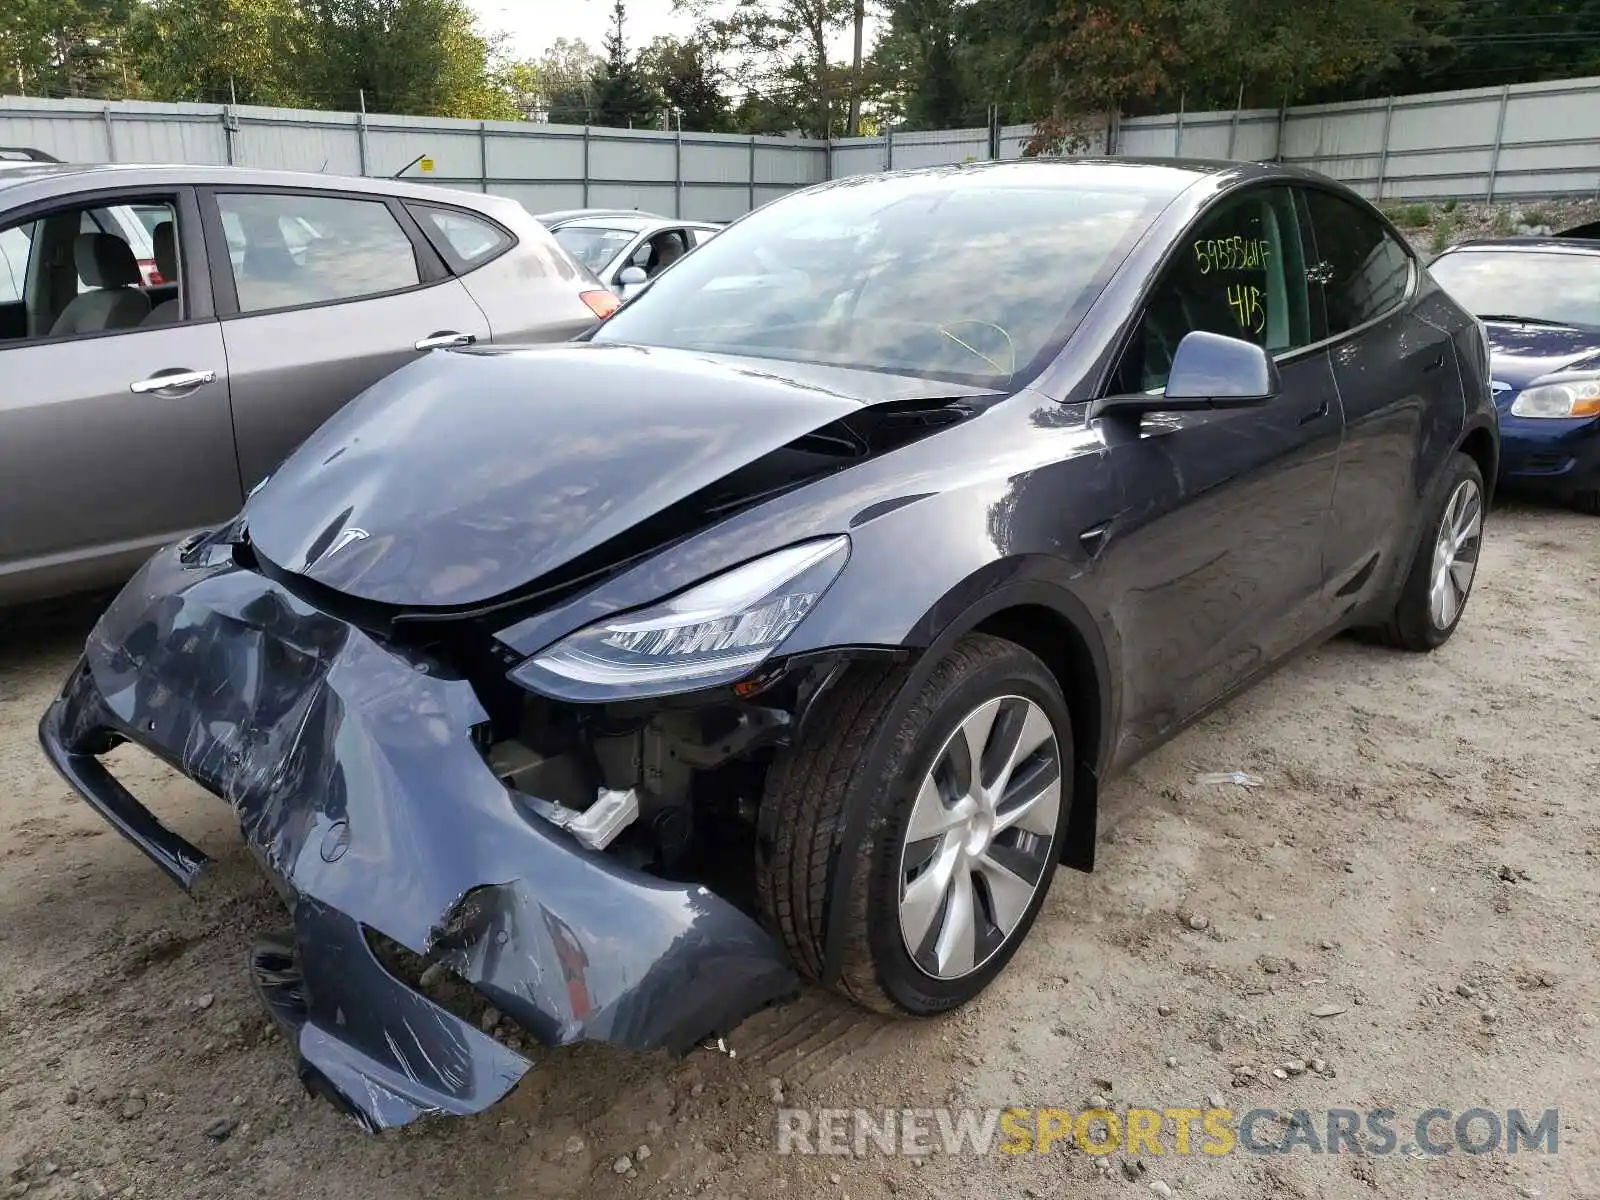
(1455, 554)
(980, 836)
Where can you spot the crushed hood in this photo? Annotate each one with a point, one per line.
(465, 476)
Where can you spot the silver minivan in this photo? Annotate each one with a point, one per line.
(139, 401)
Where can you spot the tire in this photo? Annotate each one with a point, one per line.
(1417, 622)
(1587, 501)
(855, 756)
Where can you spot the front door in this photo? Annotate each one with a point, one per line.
(322, 294)
(1220, 534)
(115, 432)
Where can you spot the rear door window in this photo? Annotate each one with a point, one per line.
(1362, 270)
(288, 250)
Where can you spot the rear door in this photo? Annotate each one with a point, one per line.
(1393, 367)
(1220, 544)
(321, 294)
(116, 436)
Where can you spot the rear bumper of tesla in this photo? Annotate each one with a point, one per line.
(358, 780)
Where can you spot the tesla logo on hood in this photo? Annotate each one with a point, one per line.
(348, 536)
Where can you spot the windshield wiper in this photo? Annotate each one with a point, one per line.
(1515, 319)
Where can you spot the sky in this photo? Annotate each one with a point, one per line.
(531, 25)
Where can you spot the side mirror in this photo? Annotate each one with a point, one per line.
(631, 277)
(1208, 371)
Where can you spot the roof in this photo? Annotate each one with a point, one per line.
(633, 224)
(1532, 243)
(14, 175)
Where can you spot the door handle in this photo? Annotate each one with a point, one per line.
(175, 380)
(438, 341)
(1315, 414)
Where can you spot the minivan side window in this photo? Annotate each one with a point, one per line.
(1362, 270)
(288, 249)
(82, 270)
(1240, 272)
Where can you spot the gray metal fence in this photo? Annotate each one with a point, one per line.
(704, 176)
(1520, 141)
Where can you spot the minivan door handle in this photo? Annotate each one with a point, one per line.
(444, 338)
(175, 380)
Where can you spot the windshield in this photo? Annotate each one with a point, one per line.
(592, 246)
(954, 276)
(1563, 288)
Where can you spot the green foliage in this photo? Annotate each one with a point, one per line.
(1501, 223)
(1538, 216)
(1444, 233)
(689, 82)
(1449, 206)
(1411, 216)
(623, 95)
(219, 50)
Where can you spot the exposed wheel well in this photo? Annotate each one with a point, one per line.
(1479, 446)
(1055, 640)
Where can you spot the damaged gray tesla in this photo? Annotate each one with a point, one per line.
(785, 626)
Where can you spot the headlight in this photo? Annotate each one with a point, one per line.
(714, 633)
(1569, 398)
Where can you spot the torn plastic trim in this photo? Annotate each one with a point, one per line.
(355, 777)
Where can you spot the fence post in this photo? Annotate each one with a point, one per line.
(1283, 113)
(1499, 136)
(994, 132)
(1233, 129)
(361, 131)
(1383, 150)
(111, 141)
(483, 155)
(753, 170)
(1177, 141)
(585, 203)
(1113, 132)
(888, 155)
(677, 173)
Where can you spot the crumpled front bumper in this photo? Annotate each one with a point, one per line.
(353, 772)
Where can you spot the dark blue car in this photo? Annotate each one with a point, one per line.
(1539, 299)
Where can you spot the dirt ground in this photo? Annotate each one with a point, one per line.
(1424, 853)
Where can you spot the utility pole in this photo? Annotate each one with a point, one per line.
(853, 123)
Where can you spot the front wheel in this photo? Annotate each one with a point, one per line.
(966, 799)
(1436, 590)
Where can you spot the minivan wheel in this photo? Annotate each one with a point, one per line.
(965, 798)
(1587, 501)
(1440, 581)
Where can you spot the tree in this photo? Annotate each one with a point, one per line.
(567, 72)
(67, 47)
(623, 97)
(399, 56)
(685, 74)
(781, 47)
(217, 50)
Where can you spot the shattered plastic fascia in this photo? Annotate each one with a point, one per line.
(354, 776)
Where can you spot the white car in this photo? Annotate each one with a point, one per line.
(133, 223)
(627, 252)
